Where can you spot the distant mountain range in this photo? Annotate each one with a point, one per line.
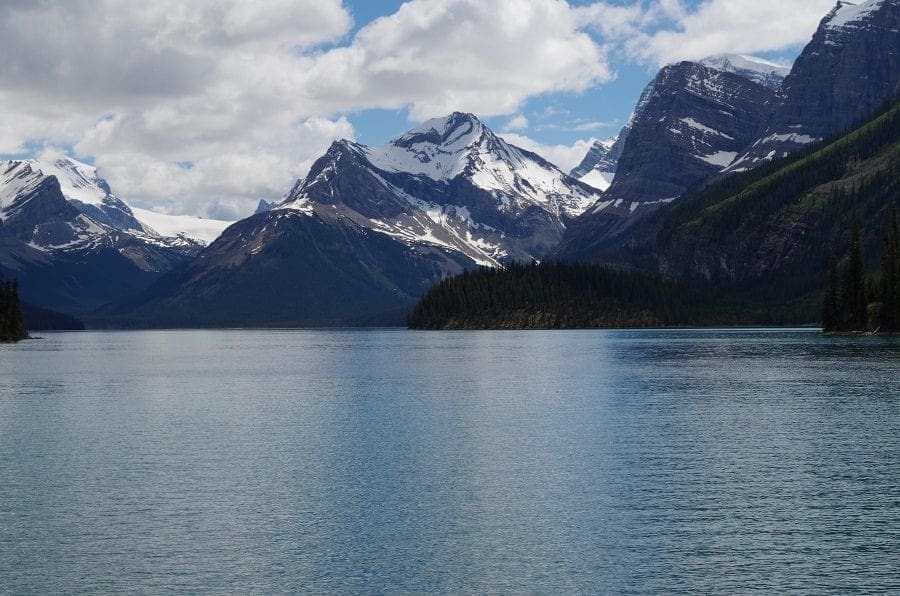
(370, 229)
(74, 245)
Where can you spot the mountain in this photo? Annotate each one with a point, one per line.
(690, 123)
(71, 242)
(600, 165)
(264, 206)
(848, 70)
(598, 168)
(369, 229)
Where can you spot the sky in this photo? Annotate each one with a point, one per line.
(205, 107)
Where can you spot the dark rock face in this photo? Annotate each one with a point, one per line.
(849, 69)
(603, 157)
(264, 206)
(694, 123)
(691, 123)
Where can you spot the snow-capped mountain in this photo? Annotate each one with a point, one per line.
(73, 244)
(687, 85)
(369, 229)
(450, 183)
(84, 189)
(848, 70)
(684, 131)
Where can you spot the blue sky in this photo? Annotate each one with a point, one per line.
(204, 107)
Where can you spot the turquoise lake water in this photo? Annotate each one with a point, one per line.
(719, 461)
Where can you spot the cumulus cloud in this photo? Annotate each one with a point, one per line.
(517, 122)
(565, 157)
(482, 56)
(666, 31)
(179, 103)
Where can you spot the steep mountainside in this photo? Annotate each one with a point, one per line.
(690, 124)
(450, 183)
(777, 225)
(848, 70)
(370, 229)
(601, 162)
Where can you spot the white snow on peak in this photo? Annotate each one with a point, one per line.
(78, 181)
(847, 13)
(17, 178)
(741, 63)
(183, 226)
(607, 144)
(438, 149)
(445, 148)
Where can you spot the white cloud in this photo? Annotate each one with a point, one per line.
(517, 122)
(565, 157)
(481, 56)
(666, 31)
(229, 182)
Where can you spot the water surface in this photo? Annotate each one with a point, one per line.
(388, 460)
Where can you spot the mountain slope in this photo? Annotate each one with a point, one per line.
(286, 269)
(751, 249)
(450, 183)
(775, 227)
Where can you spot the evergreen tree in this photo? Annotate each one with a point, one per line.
(889, 287)
(855, 287)
(831, 304)
(11, 326)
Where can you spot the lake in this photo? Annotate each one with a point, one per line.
(394, 461)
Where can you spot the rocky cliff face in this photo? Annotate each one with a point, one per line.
(848, 70)
(690, 124)
(598, 168)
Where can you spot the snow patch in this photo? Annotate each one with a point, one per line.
(186, 226)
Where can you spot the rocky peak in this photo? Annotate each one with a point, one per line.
(758, 70)
(450, 130)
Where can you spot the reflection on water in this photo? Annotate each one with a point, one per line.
(372, 460)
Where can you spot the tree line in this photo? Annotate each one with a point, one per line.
(855, 302)
(12, 328)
